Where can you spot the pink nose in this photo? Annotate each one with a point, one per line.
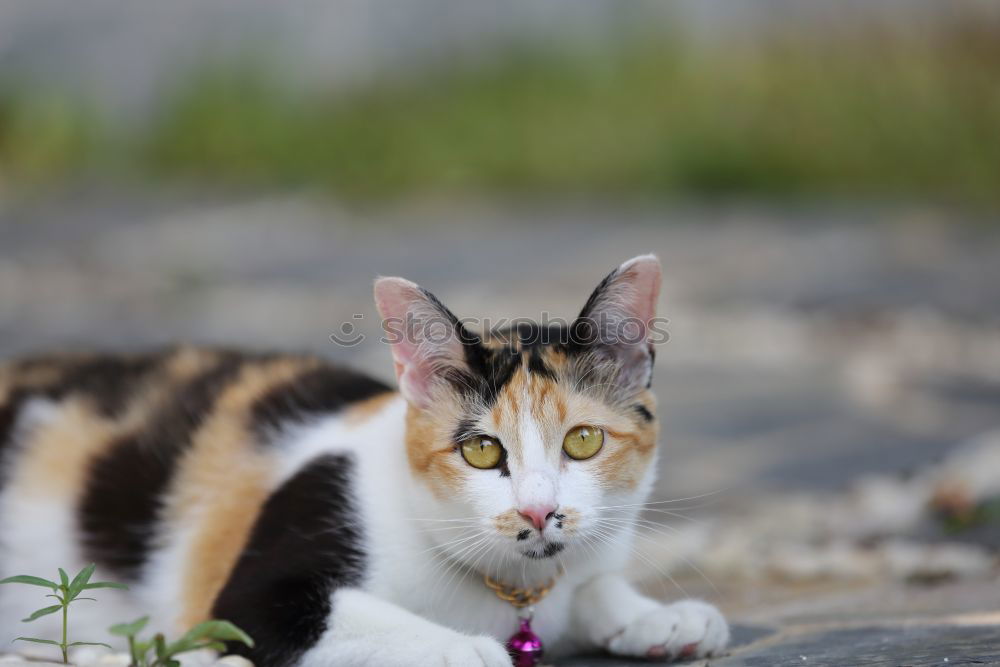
(538, 514)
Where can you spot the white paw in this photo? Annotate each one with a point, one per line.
(474, 652)
(685, 629)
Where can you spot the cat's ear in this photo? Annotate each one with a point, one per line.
(616, 322)
(426, 339)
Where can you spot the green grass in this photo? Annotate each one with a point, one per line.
(869, 115)
(44, 135)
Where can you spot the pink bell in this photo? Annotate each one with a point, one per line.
(524, 646)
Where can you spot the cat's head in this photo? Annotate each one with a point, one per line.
(527, 439)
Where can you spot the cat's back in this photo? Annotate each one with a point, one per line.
(161, 398)
(104, 457)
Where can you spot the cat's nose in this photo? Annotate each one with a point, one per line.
(538, 514)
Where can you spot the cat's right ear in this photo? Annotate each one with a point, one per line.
(427, 341)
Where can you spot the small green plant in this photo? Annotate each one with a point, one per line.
(66, 592)
(157, 652)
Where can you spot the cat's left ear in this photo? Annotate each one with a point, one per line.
(428, 342)
(617, 320)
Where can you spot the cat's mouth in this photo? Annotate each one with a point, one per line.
(547, 550)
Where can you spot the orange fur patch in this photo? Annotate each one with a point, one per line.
(221, 485)
(365, 410)
(430, 452)
(571, 520)
(56, 454)
(510, 523)
(630, 455)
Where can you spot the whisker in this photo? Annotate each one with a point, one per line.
(637, 522)
(658, 528)
(454, 563)
(650, 508)
(452, 543)
(672, 500)
(644, 522)
(686, 560)
(633, 548)
(679, 516)
(440, 528)
(481, 551)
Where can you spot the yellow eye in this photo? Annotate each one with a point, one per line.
(583, 442)
(482, 452)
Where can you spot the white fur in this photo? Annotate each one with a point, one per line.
(537, 485)
(370, 631)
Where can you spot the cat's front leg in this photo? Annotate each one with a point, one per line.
(366, 630)
(613, 616)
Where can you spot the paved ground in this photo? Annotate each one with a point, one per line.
(808, 349)
(875, 646)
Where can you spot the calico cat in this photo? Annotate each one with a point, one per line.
(340, 522)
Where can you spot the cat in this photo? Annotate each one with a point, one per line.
(340, 522)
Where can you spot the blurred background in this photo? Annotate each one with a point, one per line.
(820, 181)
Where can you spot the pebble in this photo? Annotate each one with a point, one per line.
(205, 657)
(233, 661)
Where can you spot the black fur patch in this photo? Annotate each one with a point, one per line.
(8, 415)
(489, 371)
(9, 411)
(109, 381)
(322, 390)
(503, 466)
(537, 365)
(588, 308)
(532, 335)
(305, 544)
(523, 535)
(643, 412)
(118, 510)
(550, 550)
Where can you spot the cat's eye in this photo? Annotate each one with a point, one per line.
(482, 451)
(583, 442)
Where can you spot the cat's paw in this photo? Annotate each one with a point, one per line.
(685, 629)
